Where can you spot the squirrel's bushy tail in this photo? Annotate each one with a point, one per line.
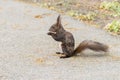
(88, 44)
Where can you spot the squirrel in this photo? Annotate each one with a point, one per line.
(59, 34)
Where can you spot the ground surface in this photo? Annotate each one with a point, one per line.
(27, 53)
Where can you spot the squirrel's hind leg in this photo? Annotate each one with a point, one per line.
(65, 56)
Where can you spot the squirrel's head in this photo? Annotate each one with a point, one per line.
(55, 27)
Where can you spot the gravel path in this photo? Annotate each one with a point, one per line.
(27, 53)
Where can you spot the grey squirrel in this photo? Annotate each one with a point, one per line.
(59, 34)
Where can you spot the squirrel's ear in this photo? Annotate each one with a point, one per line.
(58, 20)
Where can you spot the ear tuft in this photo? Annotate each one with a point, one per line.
(58, 20)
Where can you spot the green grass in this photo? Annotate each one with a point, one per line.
(85, 17)
(113, 6)
(113, 27)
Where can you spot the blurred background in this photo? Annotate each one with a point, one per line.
(103, 14)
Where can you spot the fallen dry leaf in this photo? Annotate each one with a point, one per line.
(116, 58)
(38, 16)
(39, 60)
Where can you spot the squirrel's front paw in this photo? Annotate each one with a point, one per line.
(59, 53)
(51, 33)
